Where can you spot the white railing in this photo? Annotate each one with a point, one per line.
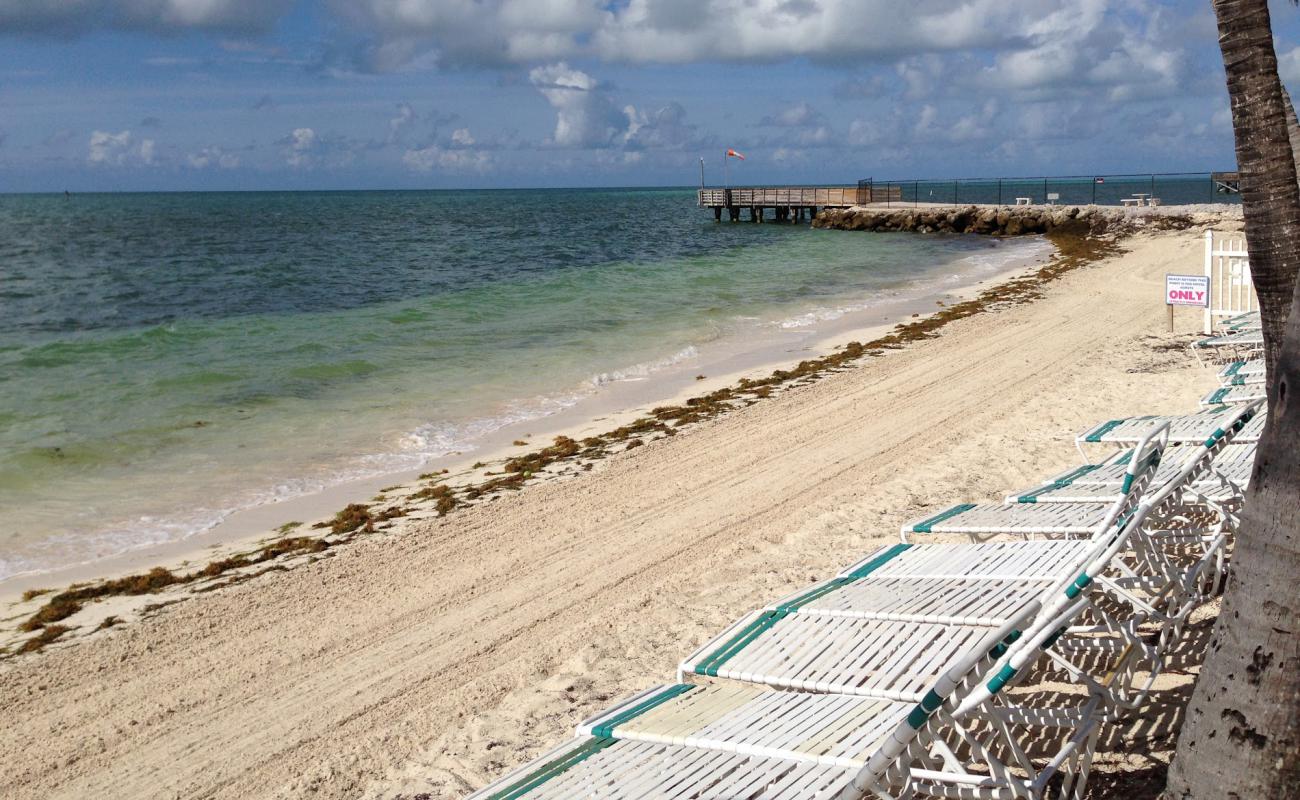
(1228, 268)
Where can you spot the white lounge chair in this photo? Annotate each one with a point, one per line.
(731, 741)
(1242, 373)
(686, 741)
(766, 743)
(1242, 322)
(1231, 345)
(1232, 395)
(1246, 338)
(1080, 519)
(1183, 428)
(1228, 477)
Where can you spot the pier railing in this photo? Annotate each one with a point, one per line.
(796, 196)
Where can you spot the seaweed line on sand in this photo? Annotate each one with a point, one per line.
(1075, 248)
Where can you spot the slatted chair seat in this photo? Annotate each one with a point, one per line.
(832, 729)
(1101, 482)
(611, 769)
(1238, 338)
(1232, 395)
(994, 519)
(1236, 459)
(1242, 373)
(723, 741)
(1248, 321)
(1034, 560)
(813, 652)
(945, 584)
(1183, 428)
(957, 601)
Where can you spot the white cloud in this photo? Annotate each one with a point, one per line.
(306, 149)
(119, 149)
(400, 123)
(665, 129)
(72, 16)
(460, 152)
(108, 148)
(471, 31)
(830, 30)
(436, 157)
(300, 148)
(585, 116)
(687, 31)
(213, 157)
(800, 115)
(1288, 64)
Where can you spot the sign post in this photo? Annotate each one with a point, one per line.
(1186, 290)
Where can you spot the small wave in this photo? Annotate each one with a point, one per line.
(639, 372)
(988, 262)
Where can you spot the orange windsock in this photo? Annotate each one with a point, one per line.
(733, 154)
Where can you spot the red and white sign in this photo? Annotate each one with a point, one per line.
(1187, 290)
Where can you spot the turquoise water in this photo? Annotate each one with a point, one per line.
(167, 358)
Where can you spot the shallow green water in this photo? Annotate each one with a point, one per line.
(167, 358)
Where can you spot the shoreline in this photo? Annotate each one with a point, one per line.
(437, 658)
(606, 407)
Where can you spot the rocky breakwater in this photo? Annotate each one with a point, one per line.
(1003, 220)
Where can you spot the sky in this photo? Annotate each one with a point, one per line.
(131, 95)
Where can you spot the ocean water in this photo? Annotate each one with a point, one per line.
(166, 359)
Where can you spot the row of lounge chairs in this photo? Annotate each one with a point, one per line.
(906, 674)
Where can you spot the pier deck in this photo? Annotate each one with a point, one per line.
(789, 204)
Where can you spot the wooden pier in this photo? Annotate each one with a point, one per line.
(790, 204)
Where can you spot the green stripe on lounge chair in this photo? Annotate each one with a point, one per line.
(1059, 483)
(1238, 381)
(551, 769)
(917, 717)
(606, 729)
(1000, 680)
(740, 641)
(1080, 583)
(925, 526)
(861, 572)
(1219, 394)
(1066, 480)
(1233, 368)
(1001, 647)
(813, 594)
(1096, 435)
(879, 561)
(1051, 640)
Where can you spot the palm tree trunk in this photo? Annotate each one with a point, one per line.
(1292, 128)
(1241, 738)
(1264, 161)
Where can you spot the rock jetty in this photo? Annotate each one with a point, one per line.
(1001, 220)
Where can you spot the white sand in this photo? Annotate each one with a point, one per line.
(435, 658)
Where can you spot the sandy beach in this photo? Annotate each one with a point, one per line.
(432, 658)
